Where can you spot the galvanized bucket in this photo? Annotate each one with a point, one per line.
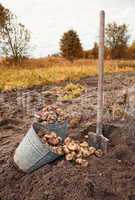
(31, 153)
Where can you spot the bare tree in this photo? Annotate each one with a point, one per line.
(14, 37)
(117, 39)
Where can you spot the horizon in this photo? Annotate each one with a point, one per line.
(61, 16)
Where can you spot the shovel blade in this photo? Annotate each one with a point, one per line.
(98, 141)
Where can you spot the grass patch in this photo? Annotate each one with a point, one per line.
(18, 77)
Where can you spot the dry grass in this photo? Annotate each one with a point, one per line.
(54, 70)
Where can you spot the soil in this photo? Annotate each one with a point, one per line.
(111, 177)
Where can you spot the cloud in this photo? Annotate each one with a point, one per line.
(48, 19)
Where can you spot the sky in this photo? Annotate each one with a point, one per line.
(49, 19)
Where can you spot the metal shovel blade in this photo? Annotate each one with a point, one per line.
(98, 141)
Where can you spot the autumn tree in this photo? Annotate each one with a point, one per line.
(117, 40)
(4, 16)
(70, 46)
(14, 37)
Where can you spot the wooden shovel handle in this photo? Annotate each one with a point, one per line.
(100, 74)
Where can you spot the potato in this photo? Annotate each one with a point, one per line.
(99, 153)
(69, 157)
(67, 140)
(84, 144)
(73, 146)
(53, 134)
(85, 152)
(58, 150)
(74, 122)
(44, 139)
(79, 161)
(53, 141)
(92, 150)
(65, 149)
(79, 154)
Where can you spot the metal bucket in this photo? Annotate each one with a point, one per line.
(31, 153)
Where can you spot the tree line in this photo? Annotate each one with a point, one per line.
(15, 41)
(116, 44)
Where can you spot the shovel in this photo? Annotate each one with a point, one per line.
(97, 139)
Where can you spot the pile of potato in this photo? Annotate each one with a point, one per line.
(51, 114)
(73, 150)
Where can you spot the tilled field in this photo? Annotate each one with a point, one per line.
(111, 177)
